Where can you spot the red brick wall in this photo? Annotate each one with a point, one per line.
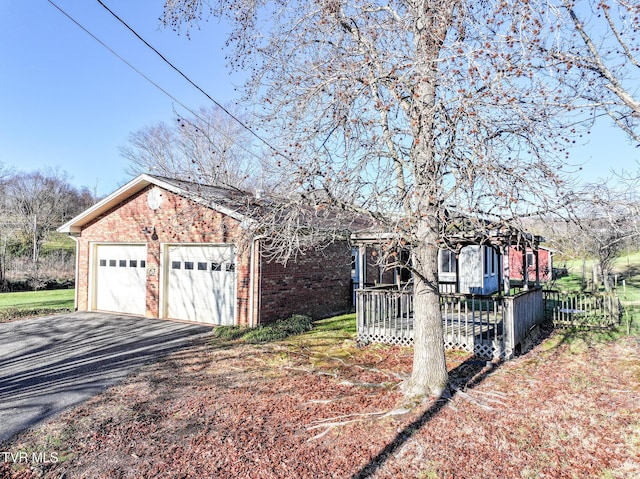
(317, 284)
(178, 220)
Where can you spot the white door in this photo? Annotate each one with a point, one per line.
(120, 278)
(201, 283)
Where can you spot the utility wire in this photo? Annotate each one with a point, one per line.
(117, 55)
(159, 87)
(240, 122)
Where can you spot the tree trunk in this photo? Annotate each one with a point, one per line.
(429, 375)
(432, 20)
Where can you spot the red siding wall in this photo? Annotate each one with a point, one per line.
(516, 265)
(317, 284)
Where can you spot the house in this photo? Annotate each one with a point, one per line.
(472, 269)
(164, 248)
(469, 272)
(525, 259)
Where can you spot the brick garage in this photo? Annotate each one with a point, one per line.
(169, 249)
(318, 284)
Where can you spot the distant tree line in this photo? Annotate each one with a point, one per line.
(32, 206)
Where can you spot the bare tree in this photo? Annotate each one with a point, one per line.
(38, 201)
(598, 45)
(604, 222)
(610, 221)
(407, 111)
(207, 147)
(7, 225)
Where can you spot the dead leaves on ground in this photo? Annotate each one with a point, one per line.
(288, 411)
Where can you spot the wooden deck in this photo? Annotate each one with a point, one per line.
(481, 325)
(459, 331)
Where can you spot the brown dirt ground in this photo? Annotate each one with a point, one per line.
(300, 409)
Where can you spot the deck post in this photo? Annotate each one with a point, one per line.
(362, 259)
(536, 255)
(525, 270)
(359, 311)
(508, 336)
(505, 270)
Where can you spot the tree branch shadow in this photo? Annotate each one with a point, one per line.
(466, 376)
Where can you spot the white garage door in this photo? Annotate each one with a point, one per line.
(201, 283)
(121, 278)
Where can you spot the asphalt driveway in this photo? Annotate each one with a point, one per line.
(51, 363)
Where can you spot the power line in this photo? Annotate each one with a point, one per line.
(240, 122)
(116, 54)
(162, 89)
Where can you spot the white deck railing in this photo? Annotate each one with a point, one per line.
(486, 326)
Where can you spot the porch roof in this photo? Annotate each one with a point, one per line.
(456, 241)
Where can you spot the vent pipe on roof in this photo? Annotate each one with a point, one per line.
(259, 193)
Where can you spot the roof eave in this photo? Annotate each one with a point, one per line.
(75, 224)
(140, 182)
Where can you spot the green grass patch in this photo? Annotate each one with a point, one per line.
(629, 290)
(338, 327)
(229, 333)
(629, 293)
(282, 329)
(55, 298)
(626, 269)
(58, 242)
(630, 321)
(573, 282)
(333, 330)
(35, 303)
(574, 266)
(279, 330)
(628, 261)
(578, 339)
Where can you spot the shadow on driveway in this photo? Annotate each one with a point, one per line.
(51, 363)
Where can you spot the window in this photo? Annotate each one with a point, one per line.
(216, 267)
(494, 262)
(202, 266)
(486, 259)
(175, 265)
(447, 261)
(122, 263)
(404, 273)
(143, 263)
(103, 262)
(112, 262)
(530, 260)
(490, 261)
(188, 265)
(353, 265)
(133, 263)
(231, 267)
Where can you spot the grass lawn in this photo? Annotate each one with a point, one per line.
(626, 267)
(32, 303)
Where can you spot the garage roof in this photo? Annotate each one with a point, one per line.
(217, 198)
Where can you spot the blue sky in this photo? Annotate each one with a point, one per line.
(67, 102)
